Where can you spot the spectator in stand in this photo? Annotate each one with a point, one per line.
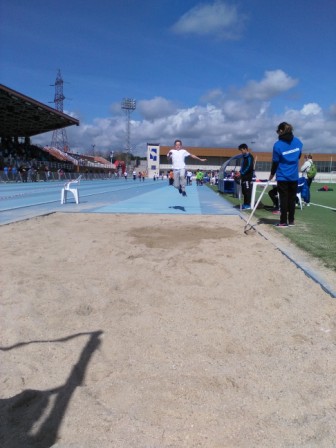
(15, 174)
(61, 173)
(47, 174)
(6, 178)
(23, 173)
(33, 174)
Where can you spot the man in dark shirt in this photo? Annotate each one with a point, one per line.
(246, 175)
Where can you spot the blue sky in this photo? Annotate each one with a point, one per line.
(213, 73)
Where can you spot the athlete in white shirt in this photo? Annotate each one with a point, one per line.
(178, 155)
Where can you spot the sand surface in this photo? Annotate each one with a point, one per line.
(160, 331)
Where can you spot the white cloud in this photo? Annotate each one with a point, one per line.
(311, 109)
(156, 108)
(273, 83)
(226, 120)
(217, 19)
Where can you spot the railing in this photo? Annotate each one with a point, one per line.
(53, 176)
(42, 176)
(320, 177)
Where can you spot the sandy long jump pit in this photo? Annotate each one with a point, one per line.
(160, 331)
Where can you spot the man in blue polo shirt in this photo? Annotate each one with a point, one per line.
(285, 164)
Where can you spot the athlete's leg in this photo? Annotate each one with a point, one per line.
(177, 179)
(182, 179)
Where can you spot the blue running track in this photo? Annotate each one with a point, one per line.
(26, 200)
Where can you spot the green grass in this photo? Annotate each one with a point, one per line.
(315, 226)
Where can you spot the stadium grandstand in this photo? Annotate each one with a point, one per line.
(216, 157)
(21, 118)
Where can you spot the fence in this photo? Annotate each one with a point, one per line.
(320, 177)
(39, 176)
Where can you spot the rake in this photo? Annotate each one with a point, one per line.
(249, 226)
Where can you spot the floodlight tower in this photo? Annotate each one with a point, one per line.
(128, 105)
(59, 137)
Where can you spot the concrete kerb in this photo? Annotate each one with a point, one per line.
(304, 266)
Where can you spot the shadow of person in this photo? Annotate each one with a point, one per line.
(32, 418)
(268, 220)
(178, 207)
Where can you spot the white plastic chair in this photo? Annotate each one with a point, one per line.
(71, 187)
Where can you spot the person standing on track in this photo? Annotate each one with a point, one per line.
(178, 155)
(285, 164)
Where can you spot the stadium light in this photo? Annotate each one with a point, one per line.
(128, 105)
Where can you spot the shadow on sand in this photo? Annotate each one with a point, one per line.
(21, 415)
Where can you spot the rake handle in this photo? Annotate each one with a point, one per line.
(257, 203)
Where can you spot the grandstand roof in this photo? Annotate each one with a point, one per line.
(21, 116)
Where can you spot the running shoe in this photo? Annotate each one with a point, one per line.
(280, 225)
(180, 190)
(291, 224)
(184, 193)
(246, 207)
